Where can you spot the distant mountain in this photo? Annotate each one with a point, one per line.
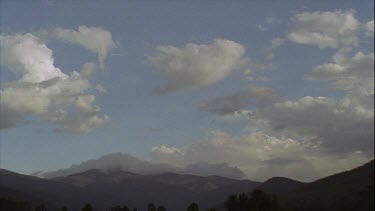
(104, 189)
(280, 185)
(52, 193)
(126, 162)
(175, 191)
(349, 190)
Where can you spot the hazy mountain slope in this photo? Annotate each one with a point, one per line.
(280, 185)
(54, 193)
(175, 191)
(349, 190)
(135, 190)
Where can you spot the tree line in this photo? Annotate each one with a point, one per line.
(255, 201)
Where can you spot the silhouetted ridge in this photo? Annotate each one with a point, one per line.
(348, 190)
(280, 185)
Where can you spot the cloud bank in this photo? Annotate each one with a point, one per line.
(196, 65)
(298, 138)
(262, 156)
(43, 90)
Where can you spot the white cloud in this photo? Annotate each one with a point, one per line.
(115, 161)
(166, 151)
(82, 123)
(348, 73)
(268, 21)
(84, 104)
(320, 120)
(261, 156)
(100, 89)
(325, 29)
(43, 90)
(359, 66)
(196, 65)
(370, 28)
(27, 56)
(353, 74)
(94, 39)
(262, 27)
(277, 42)
(220, 169)
(88, 69)
(297, 138)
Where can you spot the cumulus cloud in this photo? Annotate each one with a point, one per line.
(370, 28)
(94, 39)
(88, 69)
(353, 74)
(358, 67)
(320, 120)
(296, 138)
(126, 162)
(230, 104)
(326, 29)
(25, 55)
(85, 119)
(258, 154)
(43, 90)
(196, 65)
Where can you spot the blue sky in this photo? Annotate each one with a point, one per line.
(141, 122)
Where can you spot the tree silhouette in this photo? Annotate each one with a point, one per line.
(257, 200)
(87, 207)
(41, 207)
(64, 208)
(161, 208)
(116, 208)
(232, 203)
(193, 207)
(9, 205)
(151, 207)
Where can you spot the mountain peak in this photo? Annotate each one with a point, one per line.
(280, 185)
(126, 162)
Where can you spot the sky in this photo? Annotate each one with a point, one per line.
(275, 88)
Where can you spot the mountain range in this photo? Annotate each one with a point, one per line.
(350, 190)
